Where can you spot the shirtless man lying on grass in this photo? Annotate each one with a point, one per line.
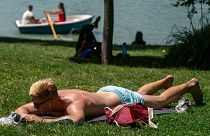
(79, 105)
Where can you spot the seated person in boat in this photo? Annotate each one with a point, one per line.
(87, 44)
(28, 17)
(60, 12)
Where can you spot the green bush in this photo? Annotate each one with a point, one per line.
(191, 48)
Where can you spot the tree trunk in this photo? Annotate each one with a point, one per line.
(106, 54)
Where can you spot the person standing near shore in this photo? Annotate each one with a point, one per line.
(60, 12)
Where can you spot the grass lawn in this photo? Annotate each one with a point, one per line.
(22, 63)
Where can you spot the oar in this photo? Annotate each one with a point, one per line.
(51, 26)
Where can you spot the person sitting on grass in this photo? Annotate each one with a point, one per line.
(77, 105)
(87, 45)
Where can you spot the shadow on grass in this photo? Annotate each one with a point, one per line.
(137, 61)
(141, 61)
(133, 61)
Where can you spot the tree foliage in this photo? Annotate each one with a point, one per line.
(191, 49)
(195, 7)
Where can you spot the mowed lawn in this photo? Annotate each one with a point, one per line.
(22, 63)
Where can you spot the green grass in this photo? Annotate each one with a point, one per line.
(22, 63)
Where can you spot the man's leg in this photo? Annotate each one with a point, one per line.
(153, 87)
(173, 93)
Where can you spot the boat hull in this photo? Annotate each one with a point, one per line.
(74, 23)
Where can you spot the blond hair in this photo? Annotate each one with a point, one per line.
(43, 87)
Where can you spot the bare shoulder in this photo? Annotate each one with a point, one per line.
(70, 95)
(77, 104)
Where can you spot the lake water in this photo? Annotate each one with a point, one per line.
(155, 18)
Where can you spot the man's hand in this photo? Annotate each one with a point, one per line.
(32, 118)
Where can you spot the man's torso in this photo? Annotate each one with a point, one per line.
(93, 103)
(25, 18)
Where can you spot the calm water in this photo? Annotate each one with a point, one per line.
(154, 18)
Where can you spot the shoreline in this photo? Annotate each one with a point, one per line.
(15, 39)
(67, 43)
